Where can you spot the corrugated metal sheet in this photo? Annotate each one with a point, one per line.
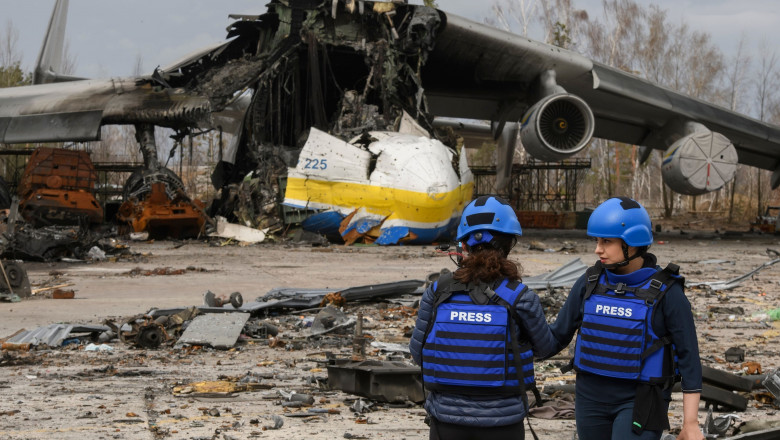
(51, 335)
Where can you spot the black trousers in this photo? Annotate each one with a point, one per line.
(448, 431)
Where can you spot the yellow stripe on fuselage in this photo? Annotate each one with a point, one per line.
(388, 202)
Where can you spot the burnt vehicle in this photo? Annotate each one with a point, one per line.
(58, 188)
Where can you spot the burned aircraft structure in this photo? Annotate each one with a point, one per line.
(334, 109)
(154, 198)
(339, 111)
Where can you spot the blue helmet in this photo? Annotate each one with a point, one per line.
(623, 218)
(487, 213)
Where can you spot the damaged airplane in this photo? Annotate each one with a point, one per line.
(332, 108)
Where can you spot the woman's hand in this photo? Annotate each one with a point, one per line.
(690, 428)
(691, 432)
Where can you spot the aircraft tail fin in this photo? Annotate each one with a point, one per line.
(49, 66)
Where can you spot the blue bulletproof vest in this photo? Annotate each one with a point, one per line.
(471, 348)
(616, 338)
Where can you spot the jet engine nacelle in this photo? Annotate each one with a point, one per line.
(698, 163)
(557, 127)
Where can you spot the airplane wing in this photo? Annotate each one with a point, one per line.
(479, 72)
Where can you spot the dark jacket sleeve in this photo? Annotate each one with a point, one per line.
(569, 317)
(424, 315)
(678, 320)
(534, 324)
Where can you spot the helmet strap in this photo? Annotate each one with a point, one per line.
(627, 259)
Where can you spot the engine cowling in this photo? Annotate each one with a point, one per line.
(557, 127)
(698, 163)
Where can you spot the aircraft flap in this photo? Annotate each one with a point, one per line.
(52, 127)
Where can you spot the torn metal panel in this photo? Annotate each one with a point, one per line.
(50, 335)
(383, 381)
(732, 283)
(409, 192)
(214, 329)
(564, 276)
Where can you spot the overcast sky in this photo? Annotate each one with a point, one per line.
(107, 36)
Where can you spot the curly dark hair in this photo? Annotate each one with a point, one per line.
(487, 264)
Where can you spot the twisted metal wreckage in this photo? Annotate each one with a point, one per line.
(339, 119)
(331, 108)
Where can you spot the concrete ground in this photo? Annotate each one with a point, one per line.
(130, 393)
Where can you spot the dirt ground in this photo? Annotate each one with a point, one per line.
(128, 393)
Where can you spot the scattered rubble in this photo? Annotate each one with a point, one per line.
(338, 357)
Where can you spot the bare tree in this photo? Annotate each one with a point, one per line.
(11, 73)
(766, 82)
(513, 15)
(9, 56)
(735, 76)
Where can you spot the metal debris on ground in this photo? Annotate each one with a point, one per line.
(735, 354)
(245, 234)
(330, 319)
(384, 381)
(141, 331)
(214, 329)
(210, 299)
(295, 298)
(221, 388)
(53, 335)
(772, 383)
(564, 276)
(732, 283)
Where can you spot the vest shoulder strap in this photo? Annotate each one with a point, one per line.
(510, 292)
(443, 288)
(665, 277)
(592, 276)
